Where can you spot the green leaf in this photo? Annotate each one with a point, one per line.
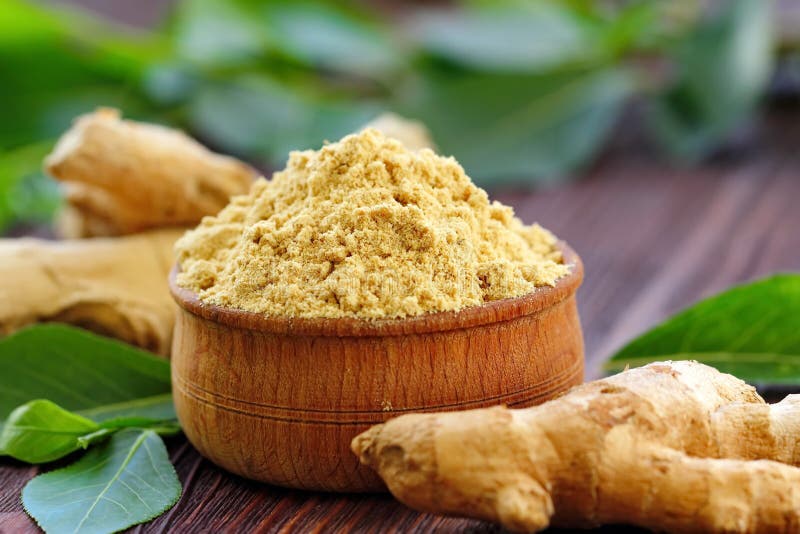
(35, 198)
(170, 84)
(723, 66)
(217, 33)
(155, 408)
(110, 45)
(122, 482)
(75, 369)
(97, 436)
(749, 331)
(636, 25)
(259, 117)
(41, 431)
(23, 193)
(513, 126)
(327, 35)
(162, 427)
(519, 37)
(56, 63)
(224, 34)
(249, 115)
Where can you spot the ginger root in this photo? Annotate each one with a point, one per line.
(413, 134)
(674, 446)
(122, 177)
(112, 286)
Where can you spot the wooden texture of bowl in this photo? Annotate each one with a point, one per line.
(278, 399)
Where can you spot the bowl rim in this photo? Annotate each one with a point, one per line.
(491, 312)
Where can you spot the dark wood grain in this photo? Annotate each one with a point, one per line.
(653, 239)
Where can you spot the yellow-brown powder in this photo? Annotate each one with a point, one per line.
(365, 228)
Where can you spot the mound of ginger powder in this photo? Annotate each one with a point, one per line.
(365, 228)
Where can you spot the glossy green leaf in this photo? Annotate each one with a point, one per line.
(249, 115)
(162, 427)
(722, 66)
(217, 33)
(325, 34)
(41, 431)
(97, 436)
(22, 23)
(23, 195)
(35, 198)
(634, 26)
(519, 37)
(75, 369)
(155, 408)
(56, 63)
(260, 117)
(516, 127)
(750, 331)
(119, 483)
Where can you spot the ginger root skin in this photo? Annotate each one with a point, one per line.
(121, 177)
(112, 286)
(672, 446)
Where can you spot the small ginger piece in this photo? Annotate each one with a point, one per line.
(122, 177)
(112, 286)
(413, 134)
(674, 446)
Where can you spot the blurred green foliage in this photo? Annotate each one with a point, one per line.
(516, 90)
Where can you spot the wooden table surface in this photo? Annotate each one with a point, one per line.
(653, 239)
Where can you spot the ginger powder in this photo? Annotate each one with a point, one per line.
(365, 228)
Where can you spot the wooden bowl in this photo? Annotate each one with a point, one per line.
(278, 399)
